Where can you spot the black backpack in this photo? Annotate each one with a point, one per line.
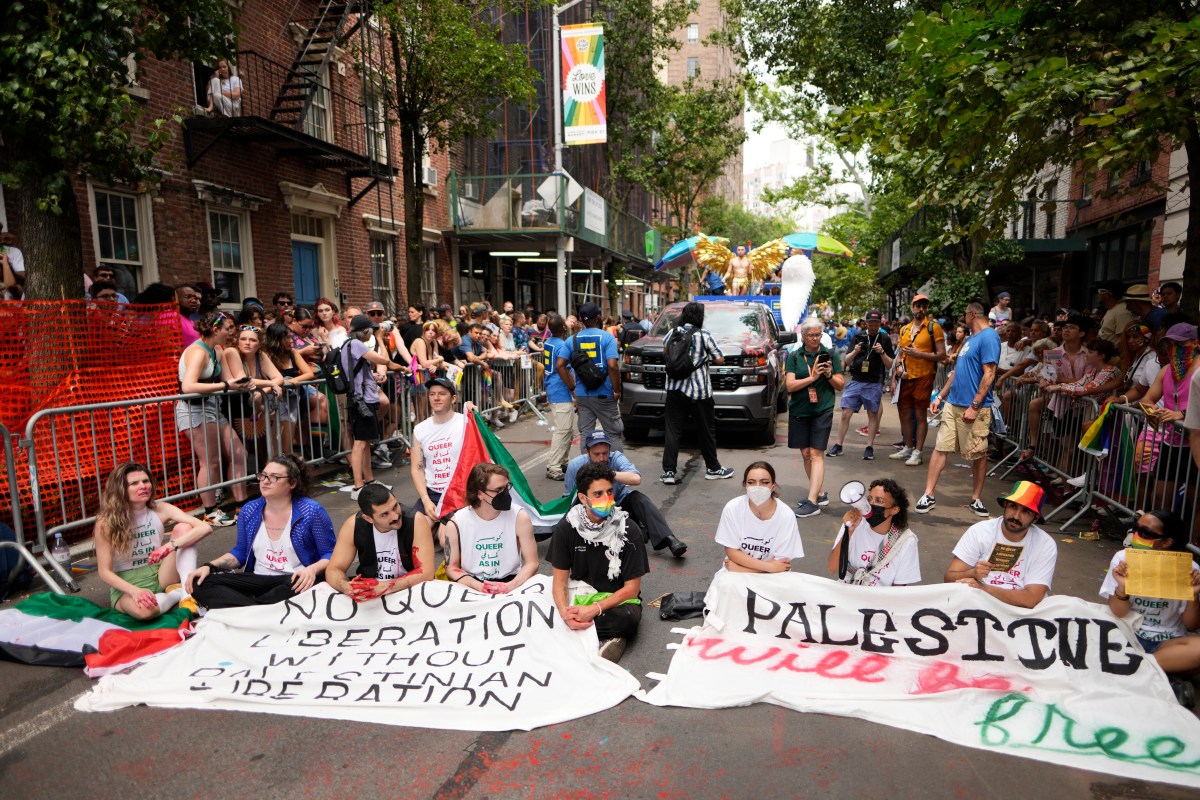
(678, 354)
(341, 379)
(585, 369)
(630, 333)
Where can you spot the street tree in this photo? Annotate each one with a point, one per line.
(451, 74)
(991, 92)
(65, 69)
(717, 216)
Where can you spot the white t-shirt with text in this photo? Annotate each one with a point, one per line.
(1034, 566)
(440, 446)
(903, 569)
(275, 558)
(1161, 619)
(387, 554)
(777, 537)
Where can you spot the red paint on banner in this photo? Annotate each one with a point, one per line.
(863, 669)
(941, 676)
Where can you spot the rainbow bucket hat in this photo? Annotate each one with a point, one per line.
(1026, 494)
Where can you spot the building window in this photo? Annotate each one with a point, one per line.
(428, 267)
(1122, 255)
(303, 225)
(121, 232)
(693, 67)
(375, 113)
(228, 240)
(1050, 209)
(1085, 187)
(383, 268)
(316, 121)
(1028, 219)
(1141, 172)
(693, 33)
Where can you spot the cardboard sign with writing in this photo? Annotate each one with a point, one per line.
(1159, 573)
(1005, 556)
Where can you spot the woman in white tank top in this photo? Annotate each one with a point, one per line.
(489, 544)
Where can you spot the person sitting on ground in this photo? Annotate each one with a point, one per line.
(599, 558)
(284, 542)
(393, 545)
(130, 554)
(643, 510)
(883, 551)
(489, 544)
(1163, 629)
(1024, 555)
(759, 532)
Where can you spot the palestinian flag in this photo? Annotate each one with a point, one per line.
(481, 445)
(59, 630)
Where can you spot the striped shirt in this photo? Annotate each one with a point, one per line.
(696, 386)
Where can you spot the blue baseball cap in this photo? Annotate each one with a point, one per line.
(594, 438)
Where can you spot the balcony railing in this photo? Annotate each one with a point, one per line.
(532, 205)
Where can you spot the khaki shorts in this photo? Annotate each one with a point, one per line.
(954, 434)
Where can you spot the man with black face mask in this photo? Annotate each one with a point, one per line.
(489, 544)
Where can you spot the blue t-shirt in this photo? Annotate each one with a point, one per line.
(616, 459)
(713, 279)
(553, 349)
(979, 349)
(601, 346)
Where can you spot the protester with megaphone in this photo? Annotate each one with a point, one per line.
(879, 548)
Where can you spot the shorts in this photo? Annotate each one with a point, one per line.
(1148, 645)
(143, 577)
(861, 394)
(363, 429)
(810, 432)
(194, 413)
(954, 434)
(289, 405)
(1175, 464)
(916, 391)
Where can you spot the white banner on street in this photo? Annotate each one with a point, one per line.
(1065, 683)
(438, 655)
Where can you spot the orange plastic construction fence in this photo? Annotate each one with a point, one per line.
(56, 354)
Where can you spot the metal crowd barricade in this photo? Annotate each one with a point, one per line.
(1057, 449)
(1014, 403)
(14, 501)
(80, 445)
(507, 385)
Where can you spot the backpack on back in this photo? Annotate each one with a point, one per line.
(341, 379)
(585, 368)
(677, 355)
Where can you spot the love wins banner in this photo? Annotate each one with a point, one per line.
(1065, 682)
(437, 655)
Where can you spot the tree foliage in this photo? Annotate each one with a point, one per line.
(450, 73)
(66, 109)
(719, 217)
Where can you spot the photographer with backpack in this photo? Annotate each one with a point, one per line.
(588, 365)
(362, 395)
(688, 350)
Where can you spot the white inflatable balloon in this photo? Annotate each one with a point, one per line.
(797, 278)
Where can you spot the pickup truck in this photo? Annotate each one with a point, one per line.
(748, 389)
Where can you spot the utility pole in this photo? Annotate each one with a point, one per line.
(561, 243)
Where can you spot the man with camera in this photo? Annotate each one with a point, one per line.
(814, 376)
(362, 402)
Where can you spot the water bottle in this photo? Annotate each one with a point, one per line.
(933, 421)
(60, 552)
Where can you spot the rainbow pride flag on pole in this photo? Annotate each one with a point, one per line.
(585, 116)
(480, 445)
(1097, 439)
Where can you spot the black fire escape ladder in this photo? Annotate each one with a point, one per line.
(303, 79)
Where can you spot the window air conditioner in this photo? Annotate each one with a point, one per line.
(431, 176)
(469, 192)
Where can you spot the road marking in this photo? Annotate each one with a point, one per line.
(11, 740)
(533, 461)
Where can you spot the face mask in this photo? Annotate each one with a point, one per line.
(502, 501)
(1138, 543)
(877, 514)
(758, 494)
(603, 508)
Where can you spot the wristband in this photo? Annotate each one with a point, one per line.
(212, 567)
(1121, 597)
(601, 611)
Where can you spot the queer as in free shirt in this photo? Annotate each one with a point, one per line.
(1034, 566)
(902, 570)
(387, 554)
(440, 445)
(777, 537)
(1161, 619)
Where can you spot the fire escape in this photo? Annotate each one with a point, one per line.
(299, 111)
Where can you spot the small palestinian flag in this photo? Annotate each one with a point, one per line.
(60, 630)
(481, 445)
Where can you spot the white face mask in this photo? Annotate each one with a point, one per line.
(758, 494)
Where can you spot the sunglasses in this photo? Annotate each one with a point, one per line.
(374, 313)
(306, 327)
(1146, 533)
(249, 328)
(284, 303)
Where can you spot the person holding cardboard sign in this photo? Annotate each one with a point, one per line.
(1163, 631)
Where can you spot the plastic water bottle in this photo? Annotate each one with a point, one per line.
(60, 552)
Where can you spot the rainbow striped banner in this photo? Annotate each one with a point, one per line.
(585, 118)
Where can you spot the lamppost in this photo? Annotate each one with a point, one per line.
(560, 248)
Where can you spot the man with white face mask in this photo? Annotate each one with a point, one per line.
(758, 532)
(883, 551)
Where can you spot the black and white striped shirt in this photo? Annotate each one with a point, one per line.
(696, 386)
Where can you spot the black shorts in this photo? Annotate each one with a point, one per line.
(363, 429)
(810, 432)
(1175, 464)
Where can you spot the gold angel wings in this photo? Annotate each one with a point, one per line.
(717, 257)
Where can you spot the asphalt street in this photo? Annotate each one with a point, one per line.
(47, 749)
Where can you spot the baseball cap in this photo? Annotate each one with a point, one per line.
(443, 382)
(477, 309)
(873, 316)
(589, 310)
(920, 298)
(594, 438)
(1181, 332)
(375, 305)
(362, 323)
(442, 307)
(1003, 295)
(1025, 493)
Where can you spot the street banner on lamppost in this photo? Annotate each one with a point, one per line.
(585, 119)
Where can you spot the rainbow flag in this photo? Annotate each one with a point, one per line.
(585, 116)
(1097, 439)
(480, 445)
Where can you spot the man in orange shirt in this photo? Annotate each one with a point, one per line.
(922, 348)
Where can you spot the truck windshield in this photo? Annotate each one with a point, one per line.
(722, 322)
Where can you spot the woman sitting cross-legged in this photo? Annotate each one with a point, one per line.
(130, 554)
(284, 541)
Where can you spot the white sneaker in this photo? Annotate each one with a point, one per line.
(380, 483)
(1078, 482)
(914, 460)
(901, 455)
(514, 415)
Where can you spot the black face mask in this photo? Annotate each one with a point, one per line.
(877, 514)
(502, 501)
